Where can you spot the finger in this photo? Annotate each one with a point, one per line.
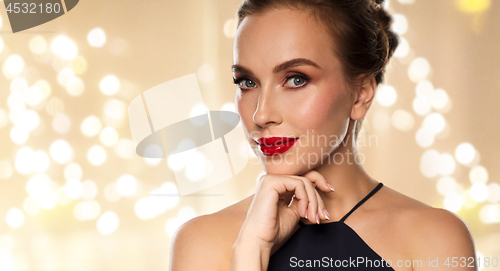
(319, 180)
(321, 207)
(301, 194)
(312, 207)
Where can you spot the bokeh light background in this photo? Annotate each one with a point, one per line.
(75, 196)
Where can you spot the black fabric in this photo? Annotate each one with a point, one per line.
(331, 246)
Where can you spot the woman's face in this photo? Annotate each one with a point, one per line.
(290, 84)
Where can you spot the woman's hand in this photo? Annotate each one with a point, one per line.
(271, 218)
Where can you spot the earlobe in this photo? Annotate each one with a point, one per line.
(363, 99)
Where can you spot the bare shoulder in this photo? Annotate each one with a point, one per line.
(429, 231)
(205, 242)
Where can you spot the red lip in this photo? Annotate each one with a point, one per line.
(271, 146)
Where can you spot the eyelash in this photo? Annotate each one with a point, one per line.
(295, 75)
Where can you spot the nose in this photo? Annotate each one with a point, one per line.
(267, 112)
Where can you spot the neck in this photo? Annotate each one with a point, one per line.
(347, 176)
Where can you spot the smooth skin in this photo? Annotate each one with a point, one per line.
(290, 83)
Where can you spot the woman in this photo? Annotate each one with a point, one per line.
(306, 74)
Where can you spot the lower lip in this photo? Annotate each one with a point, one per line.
(277, 149)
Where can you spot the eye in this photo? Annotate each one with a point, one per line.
(244, 82)
(296, 80)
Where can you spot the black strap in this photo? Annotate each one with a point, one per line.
(362, 201)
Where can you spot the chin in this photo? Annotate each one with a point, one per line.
(284, 169)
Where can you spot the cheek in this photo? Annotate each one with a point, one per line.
(326, 110)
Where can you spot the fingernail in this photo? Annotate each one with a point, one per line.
(326, 214)
(317, 218)
(306, 213)
(331, 187)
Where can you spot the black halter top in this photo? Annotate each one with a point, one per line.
(330, 246)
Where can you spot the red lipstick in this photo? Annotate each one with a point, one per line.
(271, 146)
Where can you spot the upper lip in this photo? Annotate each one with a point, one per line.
(275, 140)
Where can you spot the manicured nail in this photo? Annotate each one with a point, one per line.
(331, 187)
(326, 214)
(317, 218)
(306, 213)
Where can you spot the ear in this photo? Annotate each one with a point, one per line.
(363, 98)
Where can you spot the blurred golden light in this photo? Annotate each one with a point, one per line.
(386, 95)
(125, 148)
(13, 65)
(96, 37)
(465, 153)
(18, 84)
(87, 210)
(4, 119)
(24, 160)
(424, 88)
(400, 24)
(205, 73)
(14, 218)
(75, 86)
(73, 171)
(402, 120)
(421, 105)
(490, 213)
(179, 162)
(89, 189)
(419, 69)
(197, 166)
(494, 193)
(108, 136)
(453, 202)
(61, 123)
(7, 242)
(38, 45)
(61, 151)
(479, 192)
(446, 164)
(111, 192)
(114, 112)
(429, 163)
(228, 107)
(47, 198)
(467, 200)
(41, 161)
(91, 126)
(109, 85)
(439, 99)
(62, 197)
(96, 155)
(33, 96)
(126, 185)
(185, 214)
(29, 120)
(54, 105)
(403, 48)
(406, 2)
(478, 174)
(424, 137)
(15, 102)
(64, 76)
(64, 47)
(44, 88)
(78, 65)
(145, 208)
(2, 45)
(6, 170)
(38, 183)
(31, 206)
(434, 122)
(152, 161)
(19, 135)
(73, 189)
(107, 223)
(473, 6)
(446, 185)
(230, 28)
(381, 121)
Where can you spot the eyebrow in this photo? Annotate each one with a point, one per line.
(281, 67)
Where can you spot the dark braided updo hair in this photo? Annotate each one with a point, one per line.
(359, 32)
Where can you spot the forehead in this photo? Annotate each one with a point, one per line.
(281, 34)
